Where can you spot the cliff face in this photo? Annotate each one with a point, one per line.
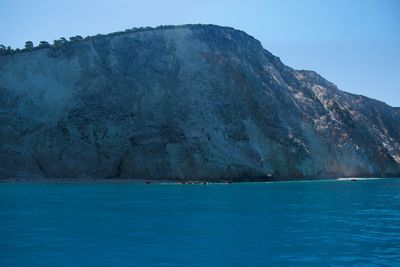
(194, 102)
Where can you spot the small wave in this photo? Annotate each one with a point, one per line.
(357, 179)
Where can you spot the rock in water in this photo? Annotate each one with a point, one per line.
(188, 102)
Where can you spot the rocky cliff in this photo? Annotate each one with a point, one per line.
(189, 102)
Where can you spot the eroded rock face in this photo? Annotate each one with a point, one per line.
(194, 102)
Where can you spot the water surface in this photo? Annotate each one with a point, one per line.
(289, 223)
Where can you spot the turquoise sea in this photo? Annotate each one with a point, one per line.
(323, 223)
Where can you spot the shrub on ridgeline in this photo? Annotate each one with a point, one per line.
(76, 38)
(6, 51)
(59, 42)
(28, 45)
(3, 49)
(44, 44)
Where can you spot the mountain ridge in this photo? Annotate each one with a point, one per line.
(187, 102)
(170, 27)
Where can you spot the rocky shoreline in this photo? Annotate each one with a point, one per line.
(158, 182)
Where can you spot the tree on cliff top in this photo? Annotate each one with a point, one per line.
(28, 45)
(3, 49)
(44, 44)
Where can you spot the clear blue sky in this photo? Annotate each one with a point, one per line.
(353, 43)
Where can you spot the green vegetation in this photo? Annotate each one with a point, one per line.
(59, 42)
(28, 45)
(44, 44)
(76, 39)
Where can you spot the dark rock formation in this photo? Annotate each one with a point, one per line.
(193, 102)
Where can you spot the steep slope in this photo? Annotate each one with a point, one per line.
(192, 102)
